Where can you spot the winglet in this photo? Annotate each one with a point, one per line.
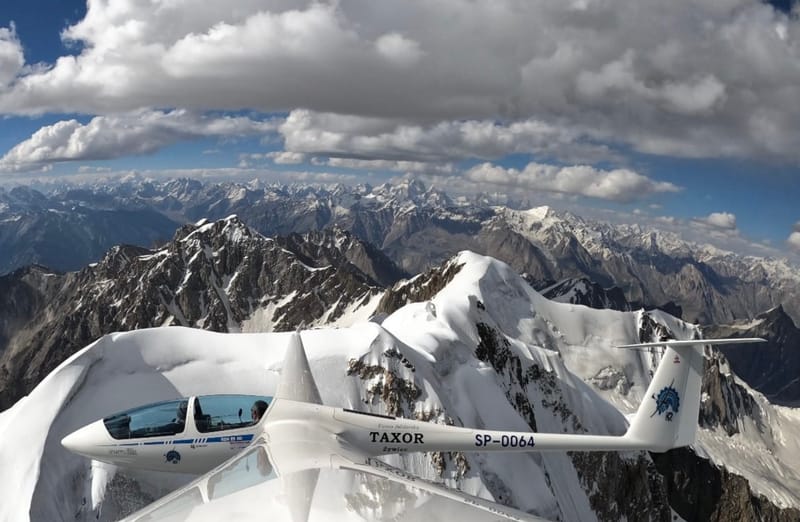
(297, 381)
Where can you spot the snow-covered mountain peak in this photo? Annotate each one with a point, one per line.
(231, 228)
(538, 213)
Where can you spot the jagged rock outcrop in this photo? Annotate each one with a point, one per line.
(417, 289)
(724, 401)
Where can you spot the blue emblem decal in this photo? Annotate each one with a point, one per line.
(173, 456)
(667, 399)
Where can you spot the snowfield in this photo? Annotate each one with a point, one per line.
(422, 361)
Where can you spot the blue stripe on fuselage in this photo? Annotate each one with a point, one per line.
(231, 438)
(204, 440)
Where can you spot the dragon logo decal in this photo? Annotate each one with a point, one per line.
(172, 456)
(667, 399)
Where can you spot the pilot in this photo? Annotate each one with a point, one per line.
(257, 411)
(180, 419)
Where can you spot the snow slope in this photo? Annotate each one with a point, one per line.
(485, 351)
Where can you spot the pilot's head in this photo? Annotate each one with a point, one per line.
(257, 411)
(181, 413)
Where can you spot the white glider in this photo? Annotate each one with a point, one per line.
(275, 467)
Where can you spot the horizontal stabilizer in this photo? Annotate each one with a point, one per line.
(693, 342)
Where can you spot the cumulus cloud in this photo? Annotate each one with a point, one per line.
(107, 137)
(287, 157)
(398, 49)
(11, 55)
(710, 79)
(619, 185)
(794, 241)
(719, 220)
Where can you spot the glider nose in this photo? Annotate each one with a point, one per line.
(86, 440)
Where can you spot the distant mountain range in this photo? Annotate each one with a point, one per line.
(66, 234)
(416, 227)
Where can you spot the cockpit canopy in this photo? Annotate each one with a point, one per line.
(202, 414)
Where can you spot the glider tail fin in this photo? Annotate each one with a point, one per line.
(667, 417)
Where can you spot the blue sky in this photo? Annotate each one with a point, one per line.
(691, 124)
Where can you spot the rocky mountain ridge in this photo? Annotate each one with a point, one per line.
(220, 276)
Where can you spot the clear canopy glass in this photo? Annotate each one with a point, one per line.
(210, 413)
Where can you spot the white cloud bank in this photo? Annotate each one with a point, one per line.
(108, 137)
(709, 79)
(311, 132)
(619, 185)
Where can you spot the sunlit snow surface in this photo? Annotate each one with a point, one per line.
(436, 341)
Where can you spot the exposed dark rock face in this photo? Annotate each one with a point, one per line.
(632, 487)
(699, 491)
(725, 402)
(418, 289)
(22, 294)
(398, 394)
(338, 247)
(772, 368)
(216, 276)
(651, 331)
